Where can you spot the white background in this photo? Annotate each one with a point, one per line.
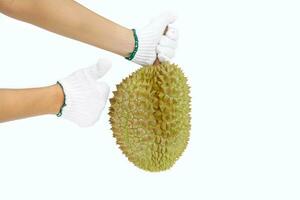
(242, 62)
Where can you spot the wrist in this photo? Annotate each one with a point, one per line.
(136, 46)
(56, 95)
(129, 43)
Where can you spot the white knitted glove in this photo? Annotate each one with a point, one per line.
(85, 97)
(152, 42)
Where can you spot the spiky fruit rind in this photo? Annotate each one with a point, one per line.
(150, 116)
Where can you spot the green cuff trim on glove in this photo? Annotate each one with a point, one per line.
(59, 114)
(136, 46)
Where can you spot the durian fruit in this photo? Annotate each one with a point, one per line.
(150, 116)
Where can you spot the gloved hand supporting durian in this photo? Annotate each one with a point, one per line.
(85, 97)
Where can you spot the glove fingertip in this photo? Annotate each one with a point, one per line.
(85, 124)
(169, 16)
(162, 58)
(104, 89)
(168, 42)
(103, 66)
(104, 62)
(172, 33)
(99, 69)
(166, 51)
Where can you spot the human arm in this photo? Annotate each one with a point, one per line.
(70, 19)
(23, 103)
(84, 97)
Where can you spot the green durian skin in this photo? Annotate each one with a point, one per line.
(150, 116)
